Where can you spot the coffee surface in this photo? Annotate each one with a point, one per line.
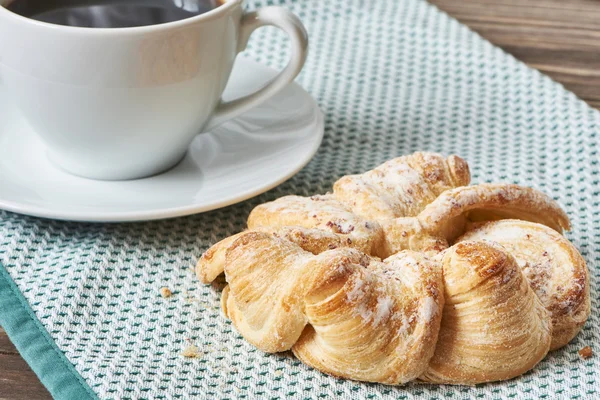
(111, 13)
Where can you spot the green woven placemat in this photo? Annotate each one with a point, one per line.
(82, 303)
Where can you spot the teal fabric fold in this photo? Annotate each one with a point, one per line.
(36, 346)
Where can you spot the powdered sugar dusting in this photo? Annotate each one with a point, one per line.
(383, 309)
(406, 268)
(400, 176)
(428, 309)
(357, 291)
(323, 212)
(508, 196)
(399, 184)
(406, 321)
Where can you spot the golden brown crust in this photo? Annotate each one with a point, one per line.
(342, 311)
(488, 201)
(212, 262)
(312, 263)
(408, 234)
(459, 170)
(401, 187)
(320, 212)
(378, 323)
(352, 316)
(552, 265)
(266, 273)
(493, 325)
(440, 222)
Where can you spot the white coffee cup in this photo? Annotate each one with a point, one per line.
(124, 103)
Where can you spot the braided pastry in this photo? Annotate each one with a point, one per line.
(493, 325)
(336, 309)
(513, 289)
(332, 225)
(401, 187)
(554, 268)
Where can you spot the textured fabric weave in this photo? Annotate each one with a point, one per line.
(392, 77)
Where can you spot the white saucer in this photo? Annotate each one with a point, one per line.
(239, 160)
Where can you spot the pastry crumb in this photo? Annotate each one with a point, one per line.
(165, 292)
(191, 351)
(586, 352)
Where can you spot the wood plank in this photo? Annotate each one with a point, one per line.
(6, 346)
(17, 380)
(561, 39)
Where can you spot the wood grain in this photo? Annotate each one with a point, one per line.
(17, 380)
(560, 38)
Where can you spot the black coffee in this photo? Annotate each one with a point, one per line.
(111, 13)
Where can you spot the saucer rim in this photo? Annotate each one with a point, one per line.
(174, 212)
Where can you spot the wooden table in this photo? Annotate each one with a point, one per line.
(560, 38)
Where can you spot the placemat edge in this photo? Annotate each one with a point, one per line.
(35, 345)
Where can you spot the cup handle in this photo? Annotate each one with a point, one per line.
(290, 24)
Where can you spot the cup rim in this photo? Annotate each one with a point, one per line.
(212, 14)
